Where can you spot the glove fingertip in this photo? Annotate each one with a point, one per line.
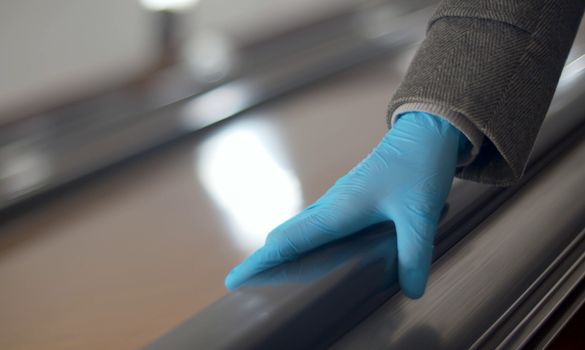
(231, 281)
(413, 283)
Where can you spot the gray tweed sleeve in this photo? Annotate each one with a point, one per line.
(491, 67)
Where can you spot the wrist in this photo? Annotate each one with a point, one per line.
(432, 131)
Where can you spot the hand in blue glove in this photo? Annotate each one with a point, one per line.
(405, 179)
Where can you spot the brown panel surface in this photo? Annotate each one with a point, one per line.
(119, 261)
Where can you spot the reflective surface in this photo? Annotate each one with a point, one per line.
(119, 261)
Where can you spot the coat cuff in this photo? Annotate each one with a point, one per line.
(456, 119)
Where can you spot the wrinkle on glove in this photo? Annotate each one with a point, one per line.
(405, 179)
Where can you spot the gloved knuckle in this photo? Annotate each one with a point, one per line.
(424, 211)
(319, 221)
(271, 237)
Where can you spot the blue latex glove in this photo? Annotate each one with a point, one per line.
(405, 179)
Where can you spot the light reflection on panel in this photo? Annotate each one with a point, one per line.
(571, 71)
(24, 168)
(215, 105)
(248, 181)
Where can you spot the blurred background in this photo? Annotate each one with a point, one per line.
(128, 191)
(147, 146)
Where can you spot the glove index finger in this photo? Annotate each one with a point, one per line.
(302, 233)
(263, 259)
(292, 238)
(310, 229)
